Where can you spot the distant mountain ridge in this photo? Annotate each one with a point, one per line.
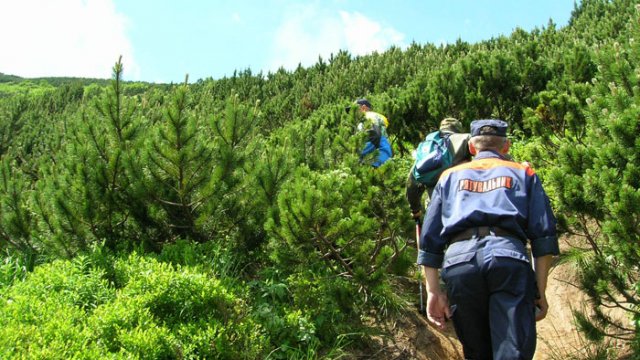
(8, 78)
(61, 80)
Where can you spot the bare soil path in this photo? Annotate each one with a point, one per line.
(410, 336)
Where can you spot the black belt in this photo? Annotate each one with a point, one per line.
(481, 231)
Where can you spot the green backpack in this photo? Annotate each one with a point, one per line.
(433, 156)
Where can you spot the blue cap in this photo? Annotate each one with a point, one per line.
(364, 101)
(489, 127)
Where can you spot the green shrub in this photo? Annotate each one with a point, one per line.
(210, 256)
(67, 309)
(44, 316)
(176, 299)
(148, 342)
(305, 313)
(11, 269)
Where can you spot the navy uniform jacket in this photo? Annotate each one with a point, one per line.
(488, 191)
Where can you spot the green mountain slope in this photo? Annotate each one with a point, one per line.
(231, 218)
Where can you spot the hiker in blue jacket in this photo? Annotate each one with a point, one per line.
(377, 133)
(481, 216)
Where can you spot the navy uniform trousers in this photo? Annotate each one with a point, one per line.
(491, 289)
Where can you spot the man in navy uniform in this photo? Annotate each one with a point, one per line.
(483, 213)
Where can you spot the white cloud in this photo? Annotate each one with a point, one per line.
(313, 32)
(364, 35)
(81, 38)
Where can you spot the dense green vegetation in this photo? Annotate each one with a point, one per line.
(230, 218)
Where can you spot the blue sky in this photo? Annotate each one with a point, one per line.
(162, 41)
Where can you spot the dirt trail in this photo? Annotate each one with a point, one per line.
(558, 337)
(412, 337)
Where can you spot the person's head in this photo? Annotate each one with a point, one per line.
(361, 104)
(489, 134)
(451, 125)
(364, 104)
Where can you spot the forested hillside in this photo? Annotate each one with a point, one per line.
(230, 218)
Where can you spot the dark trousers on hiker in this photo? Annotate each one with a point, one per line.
(491, 289)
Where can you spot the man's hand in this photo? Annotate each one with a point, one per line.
(437, 303)
(417, 215)
(542, 307)
(438, 308)
(541, 265)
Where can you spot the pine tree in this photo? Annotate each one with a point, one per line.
(342, 219)
(11, 120)
(178, 165)
(227, 209)
(16, 220)
(90, 186)
(594, 179)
